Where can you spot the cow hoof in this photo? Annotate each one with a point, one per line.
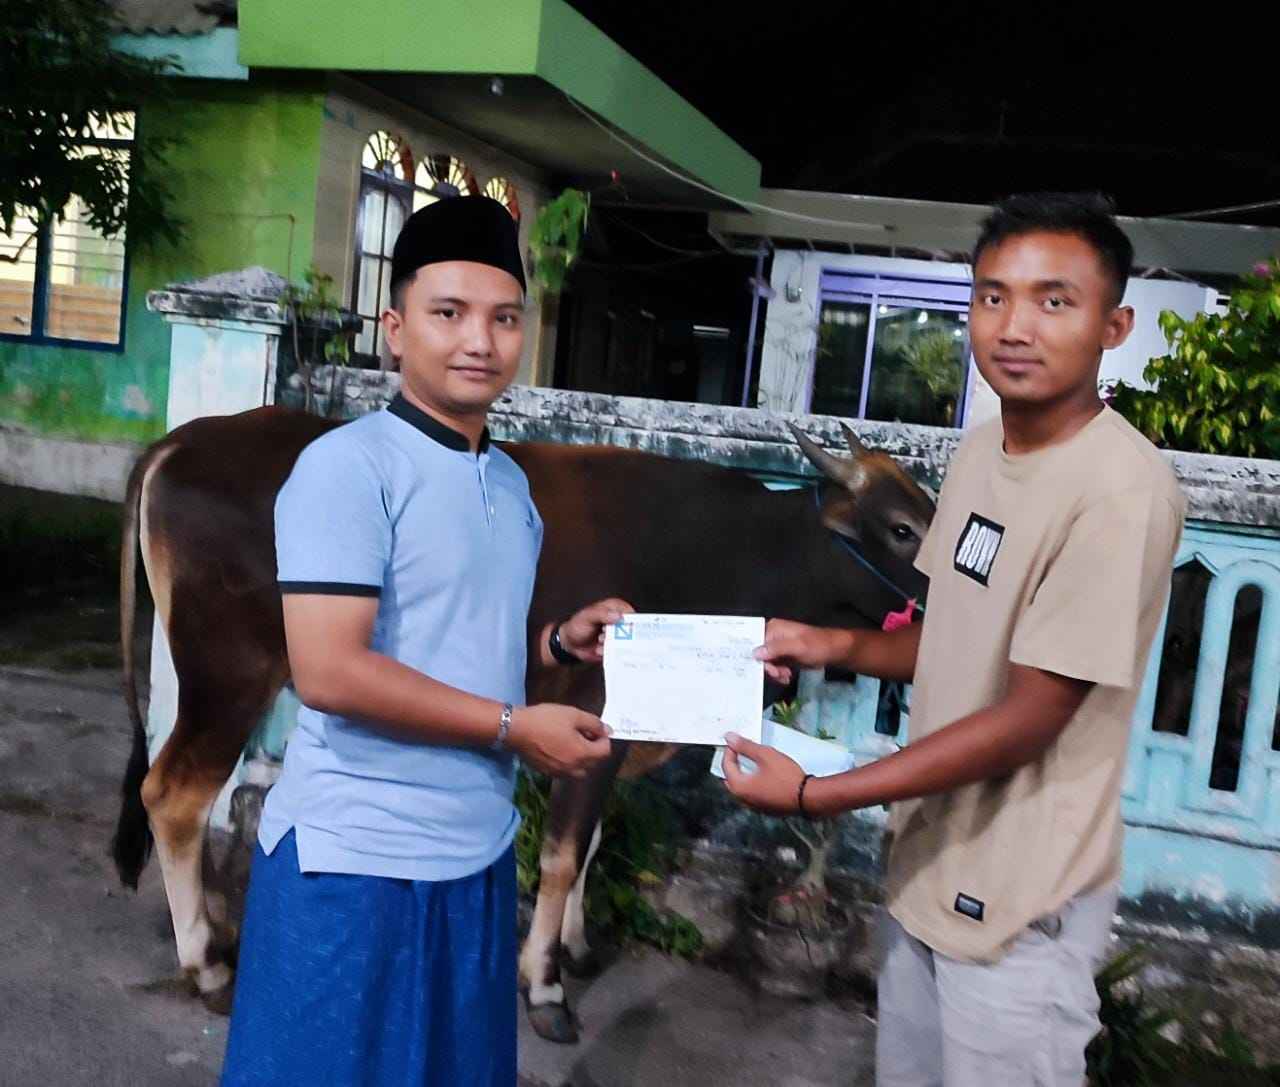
(586, 965)
(553, 1022)
(218, 1000)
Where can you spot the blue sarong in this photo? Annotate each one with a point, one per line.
(362, 980)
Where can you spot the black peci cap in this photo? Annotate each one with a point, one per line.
(470, 228)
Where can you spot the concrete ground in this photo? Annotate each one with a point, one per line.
(89, 990)
(88, 981)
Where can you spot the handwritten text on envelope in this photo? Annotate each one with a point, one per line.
(683, 678)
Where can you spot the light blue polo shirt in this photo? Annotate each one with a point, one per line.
(395, 505)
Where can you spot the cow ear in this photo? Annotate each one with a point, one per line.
(850, 474)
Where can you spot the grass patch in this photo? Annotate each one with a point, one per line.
(1133, 1051)
(637, 849)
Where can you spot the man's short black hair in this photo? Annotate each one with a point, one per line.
(398, 287)
(1090, 216)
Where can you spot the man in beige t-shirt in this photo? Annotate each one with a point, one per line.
(1049, 561)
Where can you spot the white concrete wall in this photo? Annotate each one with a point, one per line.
(91, 469)
(791, 327)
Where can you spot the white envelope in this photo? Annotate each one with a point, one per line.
(817, 757)
(684, 679)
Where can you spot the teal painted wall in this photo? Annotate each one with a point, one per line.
(248, 160)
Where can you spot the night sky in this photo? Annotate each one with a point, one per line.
(1169, 113)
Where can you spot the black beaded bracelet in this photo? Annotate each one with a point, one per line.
(562, 655)
(800, 795)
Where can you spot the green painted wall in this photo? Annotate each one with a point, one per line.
(248, 159)
(574, 56)
(489, 37)
(544, 38)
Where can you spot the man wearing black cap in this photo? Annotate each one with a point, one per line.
(379, 936)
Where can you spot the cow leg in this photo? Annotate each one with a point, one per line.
(576, 953)
(178, 793)
(574, 814)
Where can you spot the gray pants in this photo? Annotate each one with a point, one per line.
(1021, 1022)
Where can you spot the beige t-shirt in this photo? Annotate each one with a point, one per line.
(1058, 559)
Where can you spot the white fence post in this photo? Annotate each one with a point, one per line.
(223, 350)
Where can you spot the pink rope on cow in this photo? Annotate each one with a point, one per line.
(896, 620)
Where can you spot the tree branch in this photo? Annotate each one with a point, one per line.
(18, 255)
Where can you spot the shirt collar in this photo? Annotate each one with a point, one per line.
(433, 428)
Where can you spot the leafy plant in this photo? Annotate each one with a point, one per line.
(787, 713)
(533, 804)
(1130, 1050)
(61, 81)
(1218, 389)
(1235, 1048)
(637, 850)
(806, 902)
(313, 306)
(1133, 1048)
(556, 237)
(934, 360)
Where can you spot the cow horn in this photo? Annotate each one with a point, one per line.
(853, 441)
(838, 470)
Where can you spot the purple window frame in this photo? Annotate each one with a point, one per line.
(877, 290)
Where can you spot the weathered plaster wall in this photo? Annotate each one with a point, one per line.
(243, 177)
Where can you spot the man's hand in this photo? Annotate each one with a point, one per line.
(583, 634)
(558, 740)
(775, 786)
(789, 645)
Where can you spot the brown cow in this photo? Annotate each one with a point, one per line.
(666, 535)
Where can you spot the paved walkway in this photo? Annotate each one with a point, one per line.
(88, 990)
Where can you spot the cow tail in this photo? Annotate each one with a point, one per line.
(131, 845)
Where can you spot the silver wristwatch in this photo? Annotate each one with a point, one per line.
(504, 726)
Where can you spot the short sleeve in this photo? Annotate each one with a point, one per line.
(1085, 618)
(927, 557)
(333, 533)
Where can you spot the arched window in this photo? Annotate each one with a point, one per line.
(386, 200)
(501, 190)
(388, 155)
(439, 177)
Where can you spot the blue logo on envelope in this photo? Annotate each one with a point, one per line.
(624, 632)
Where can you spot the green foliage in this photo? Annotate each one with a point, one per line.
(1130, 1051)
(60, 80)
(787, 713)
(934, 360)
(1218, 389)
(556, 237)
(532, 803)
(322, 331)
(636, 850)
(315, 304)
(805, 903)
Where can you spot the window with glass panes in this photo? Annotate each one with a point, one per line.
(386, 198)
(501, 190)
(391, 188)
(64, 281)
(440, 177)
(892, 349)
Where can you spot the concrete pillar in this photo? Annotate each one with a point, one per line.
(224, 347)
